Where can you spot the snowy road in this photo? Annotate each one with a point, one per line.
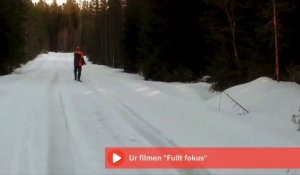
(51, 124)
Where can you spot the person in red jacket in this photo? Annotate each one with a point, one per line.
(78, 63)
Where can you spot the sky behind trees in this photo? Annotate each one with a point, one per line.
(50, 1)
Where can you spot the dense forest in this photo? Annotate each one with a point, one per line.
(232, 41)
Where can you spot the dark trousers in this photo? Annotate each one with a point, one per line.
(77, 72)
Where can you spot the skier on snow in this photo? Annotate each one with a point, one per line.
(78, 63)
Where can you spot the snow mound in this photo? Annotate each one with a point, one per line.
(263, 94)
(270, 104)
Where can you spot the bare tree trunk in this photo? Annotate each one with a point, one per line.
(230, 16)
(276, 41)
(233, 32)
(65, 39)
(113, 50)
(112, 37)
(105, 38)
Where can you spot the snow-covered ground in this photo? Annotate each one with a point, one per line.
(51, 124)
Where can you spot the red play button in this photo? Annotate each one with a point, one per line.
(115, 157)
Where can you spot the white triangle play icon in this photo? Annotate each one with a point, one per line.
(116, 158)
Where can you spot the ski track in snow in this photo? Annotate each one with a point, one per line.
(59, 139)
(146, 130)
(51, 124)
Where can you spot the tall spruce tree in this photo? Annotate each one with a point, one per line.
(115, 29)
(35, 29)
(163, 40)
(130, 36)
(12, 15)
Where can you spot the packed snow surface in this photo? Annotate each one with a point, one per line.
(51, 124)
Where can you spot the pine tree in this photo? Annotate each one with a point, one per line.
(130, 36)
(171, 41)
(115, 29)
(11, 33)
(88, 30)
(35, 30)
(53, 28)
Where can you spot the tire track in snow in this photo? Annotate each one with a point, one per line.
(149, 132)
(60, 160)
(145, 129)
